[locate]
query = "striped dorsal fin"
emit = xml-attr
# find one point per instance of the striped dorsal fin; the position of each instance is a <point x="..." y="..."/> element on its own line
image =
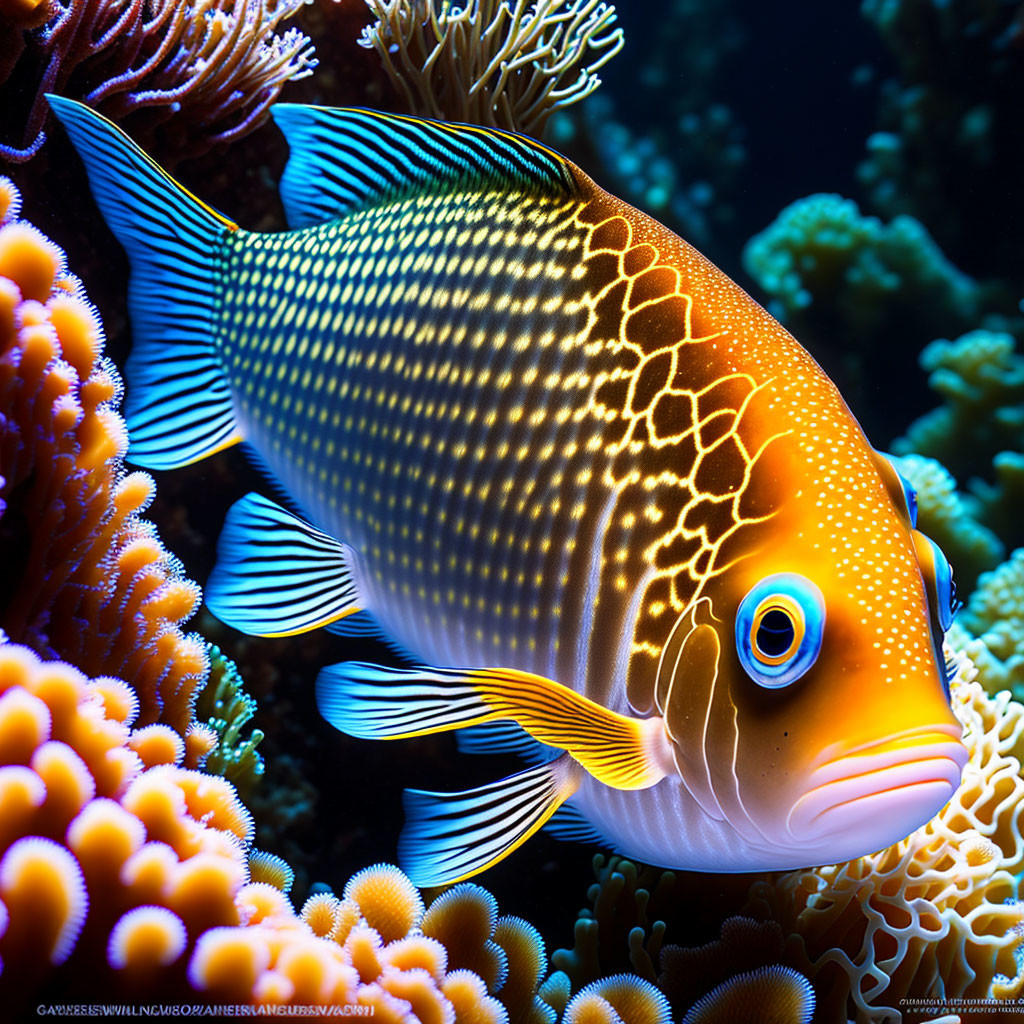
<point x="344" y="159"/>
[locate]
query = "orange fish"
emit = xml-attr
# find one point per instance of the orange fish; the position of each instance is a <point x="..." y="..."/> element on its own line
<point x="575" y="467"/>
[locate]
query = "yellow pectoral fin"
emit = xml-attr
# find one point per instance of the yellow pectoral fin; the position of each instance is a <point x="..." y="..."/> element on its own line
<point x="377" y="702"/>
<point x="620" y="751"/>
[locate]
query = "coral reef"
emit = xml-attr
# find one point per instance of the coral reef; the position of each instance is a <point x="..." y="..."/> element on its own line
<point x="991" y="628"/>
<point x="492" y="62"/>
<point x="86" y="579"/>
<point x="102" y="826"/>
<point x="948" y="121"/>
<point x="204" y="73"/>
<point x="951" y="519"/>
<point x="935" y="915"/>
<point x="623" y="928"/>
<point x="822" y="251"/>
<point x="981" y="377"/>
<point x="225" y="708"/>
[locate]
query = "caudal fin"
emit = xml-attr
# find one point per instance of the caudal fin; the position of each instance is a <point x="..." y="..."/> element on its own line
<point x="178" y="404"/>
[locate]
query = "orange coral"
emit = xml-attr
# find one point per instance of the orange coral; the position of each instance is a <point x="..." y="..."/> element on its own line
<point x="87" y="579"/>
<point x="94" y="837"/>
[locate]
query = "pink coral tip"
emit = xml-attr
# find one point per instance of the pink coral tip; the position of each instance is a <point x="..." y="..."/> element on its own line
<point x="259" y="902"/>
<point x="69" y="784"/>
<point x="467" y="993"/>
<point x="621" y="997"/>
<point x="29" y="259"/>
<point x="104" y="836"/>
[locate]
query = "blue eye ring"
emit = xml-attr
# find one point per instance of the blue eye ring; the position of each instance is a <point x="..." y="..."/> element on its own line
<point x="779" y="626"/>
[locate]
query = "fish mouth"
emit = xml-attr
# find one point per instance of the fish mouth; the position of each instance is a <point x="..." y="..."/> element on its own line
<point x="877" y="795"/>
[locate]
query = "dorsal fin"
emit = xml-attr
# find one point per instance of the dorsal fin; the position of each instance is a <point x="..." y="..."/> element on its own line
<point x="345" y="159"/>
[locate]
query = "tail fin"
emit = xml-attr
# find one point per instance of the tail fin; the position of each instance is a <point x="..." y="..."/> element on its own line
<point x="178" y="404"/>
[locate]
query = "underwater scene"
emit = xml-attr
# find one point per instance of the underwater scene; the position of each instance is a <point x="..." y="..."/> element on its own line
<point x="512" y="511"/>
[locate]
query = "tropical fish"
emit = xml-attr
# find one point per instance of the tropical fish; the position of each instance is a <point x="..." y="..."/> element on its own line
<point x="617" y="518"/>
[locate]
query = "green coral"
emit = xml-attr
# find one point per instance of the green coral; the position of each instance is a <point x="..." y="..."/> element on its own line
<point x="1001" y="503"/>
<point x="227" y="709"/>
<point x="994" y="617"/>
<point x="821" y="250"/>
<point x="623" y="928"/>
<point x="981" y="377"/>
<point x="950" y="120"/>
<point x="950" y="519"/>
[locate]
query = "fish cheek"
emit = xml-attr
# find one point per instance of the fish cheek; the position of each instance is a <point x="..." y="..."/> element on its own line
<point x="774" y="747"/>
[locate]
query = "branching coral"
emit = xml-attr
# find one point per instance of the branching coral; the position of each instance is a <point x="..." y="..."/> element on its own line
<point x="101" y="825"/>
<point x="936" y="915"/>
<point x="623" y="927"/>
<point x="995" y="617"/>
<point x="981" y="377"/>
<point x="951" y="520"/>
<point x="86" y="579"/>
<point x="205" y="70"/>
<point x="227" y="709"/>
<point x="822" y="251"/>
<point x="505" y="63"/>
<point x="951" y="120"/>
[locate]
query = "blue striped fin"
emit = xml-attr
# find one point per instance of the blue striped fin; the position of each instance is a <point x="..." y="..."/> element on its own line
<point x="178" y="404"/>
<point x="451" y="836"/>
<point x="503" y="737"/>
<point x="345" y="159"/>
<point x="375" y="702"/>
<point x="276" y="575"/>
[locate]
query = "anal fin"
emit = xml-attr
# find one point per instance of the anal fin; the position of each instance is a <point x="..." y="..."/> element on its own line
<point x="276" y="575"/>
<point x="451" y="836"/>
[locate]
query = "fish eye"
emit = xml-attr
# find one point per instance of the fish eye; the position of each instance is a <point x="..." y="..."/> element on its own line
<point x="899" y="487"/>
<point x="779" y="627"/>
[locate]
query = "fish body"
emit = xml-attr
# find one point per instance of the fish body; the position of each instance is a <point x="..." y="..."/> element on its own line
<point x="554" y="439"/>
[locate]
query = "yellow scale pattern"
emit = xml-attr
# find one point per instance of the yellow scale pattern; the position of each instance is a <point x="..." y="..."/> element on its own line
<point x="543" y="441"/>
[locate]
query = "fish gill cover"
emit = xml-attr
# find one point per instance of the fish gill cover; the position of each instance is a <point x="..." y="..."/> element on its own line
<point x="891" y="244"/>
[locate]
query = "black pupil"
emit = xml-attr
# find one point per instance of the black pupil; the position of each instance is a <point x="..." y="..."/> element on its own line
<point x="775" y="633"/>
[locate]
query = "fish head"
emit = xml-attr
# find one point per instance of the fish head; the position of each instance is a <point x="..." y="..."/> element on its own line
<point x="808" y="694"/>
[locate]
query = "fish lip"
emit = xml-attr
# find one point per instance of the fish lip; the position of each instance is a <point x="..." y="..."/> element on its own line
<point x="889" y="749"/>
<point x="911" y="774"/>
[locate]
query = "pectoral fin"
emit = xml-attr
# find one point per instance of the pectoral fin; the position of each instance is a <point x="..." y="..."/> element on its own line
<point x="450" y="836"/>
<point x="277" y="575"/>
<point x="374" y="702"/>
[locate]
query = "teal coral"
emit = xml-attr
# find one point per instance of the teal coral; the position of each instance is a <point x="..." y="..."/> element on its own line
<point x="821" y="250"/>
<point x="624" y="926"/>
<point x="981" y="377"/>
<point x="951" y="519"/>
<point x="994" y="618"/>
<point x="227" y="709"/>
<point x="949" y="120"/>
